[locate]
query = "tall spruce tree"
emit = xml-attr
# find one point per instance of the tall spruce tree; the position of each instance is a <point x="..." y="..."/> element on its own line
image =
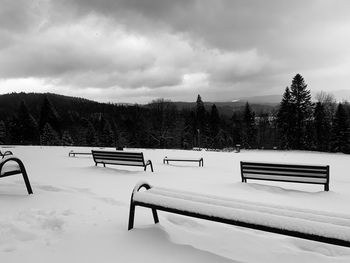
<point x="26" y="126"/>
<point x="214" y="125"/>
<point x="285" y="120"/>
<point x="321" y="128"/>
<point x="3" y="135"/>
<point x="201" y="126"/>
<point x="249" y="128"/>
<point x="48" y="114"/>
<point x="301" y="102"/>
<point x="49" y="136"/>
<point x="340" y="131"/>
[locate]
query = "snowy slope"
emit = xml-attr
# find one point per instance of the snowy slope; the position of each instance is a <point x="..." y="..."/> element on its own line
<point x="79" y="212"/>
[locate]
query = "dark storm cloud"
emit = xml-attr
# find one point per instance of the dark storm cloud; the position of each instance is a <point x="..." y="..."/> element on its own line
<point x="134" y="47"/>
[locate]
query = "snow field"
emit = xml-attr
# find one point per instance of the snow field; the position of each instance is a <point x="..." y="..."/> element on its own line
<point x="79" y="212"/>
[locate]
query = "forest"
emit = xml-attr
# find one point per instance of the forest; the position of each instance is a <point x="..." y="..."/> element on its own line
<point x="296" y="123"/>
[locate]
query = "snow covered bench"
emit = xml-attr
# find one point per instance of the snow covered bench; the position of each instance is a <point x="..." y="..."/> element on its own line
<point x="199" y="160"/>
<point x="313" y="225"/>
<point x="311" y="174"/>
<point x="11" y="165"/>
<point x="73" y="153"/>
<point x="5" y="153"/>
<point x="121" y="158"/>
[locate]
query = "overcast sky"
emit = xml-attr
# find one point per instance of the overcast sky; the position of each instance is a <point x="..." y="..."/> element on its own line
<point x="140" y="50"/>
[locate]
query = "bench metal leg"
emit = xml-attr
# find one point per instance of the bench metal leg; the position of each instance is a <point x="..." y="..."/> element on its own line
<point x="131" y="216"/>
<point x="155" y="216"/>
<point x="26" y="181"/>
<point x="326" y="187"/>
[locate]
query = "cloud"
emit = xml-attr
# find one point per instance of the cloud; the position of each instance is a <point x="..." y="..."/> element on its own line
<point x="153" y="48"/>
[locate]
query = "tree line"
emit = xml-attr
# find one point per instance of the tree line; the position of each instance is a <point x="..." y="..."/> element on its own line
<point x="297" y="123"/>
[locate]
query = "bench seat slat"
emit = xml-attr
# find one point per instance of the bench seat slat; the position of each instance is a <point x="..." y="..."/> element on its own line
<point x="298" y="179"/>
<point x="120" y="158"/>
<point x="120" y="154"/>
<point x="131" y="159"/>
<point x="284" y="173"/>
<point x="284" y="169"/>
<point x="284" y="165"/>
<point x="119" y="162"/>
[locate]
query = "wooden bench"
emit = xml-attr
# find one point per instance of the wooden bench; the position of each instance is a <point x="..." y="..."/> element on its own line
<point x="73" y="153"/>
<point x="199" y="160"/>
<point x="311" y="174"/>
<point x="313" y="225"/>
<point x="11" y="165"/>
<point x="121" y="158"/>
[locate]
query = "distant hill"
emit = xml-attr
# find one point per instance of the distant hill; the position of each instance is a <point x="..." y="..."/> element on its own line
<point x="9" y="104"/>
<point x="227" y="108"/>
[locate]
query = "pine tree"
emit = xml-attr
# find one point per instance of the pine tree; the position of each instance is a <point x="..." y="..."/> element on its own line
<point x="27" y="126"/>
<point x="321" y="128"/>
<point x="285" y="120"/>
<point x="48" y="114"/>
<point x="201" y="125"/>
<point x="249" y="128"/>
<point x="340" y="131"/>
<point x="67" y="139"/>
<point x="301" y="102"/>
<point x="2" y="132"/>
<point x="214" y="121"/>
<point x="90" y="135"/>
<point x="107" y="136"/>
<point x="236" y="128"/>
<point x="49" y="136"/>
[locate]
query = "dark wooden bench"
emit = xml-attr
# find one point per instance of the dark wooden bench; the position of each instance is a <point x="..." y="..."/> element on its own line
<point x="121" y="158"/>
<point x="73" y="153"/>
<point x="313" y="225"/>
<point x="11" y="165"/>
<point x="168" y="159"/>
<point x="310" y="174"/>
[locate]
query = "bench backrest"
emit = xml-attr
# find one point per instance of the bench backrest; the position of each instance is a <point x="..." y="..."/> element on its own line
<point x="120" y="158"/>
<point x="313" y="174"/>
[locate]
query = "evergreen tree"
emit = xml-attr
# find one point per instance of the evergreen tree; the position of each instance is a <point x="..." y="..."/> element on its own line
<point x="340" y="131"/>
<point x="49" y="136"/>
<point x="107" y="135"/>
<point x="236" y="128"/>
<point x="25" y="128"/>
<point x="90" y="135"/>
<point x="285" y="120"/>
<point x="249" y="128"/>
<point x="48" y="114"/>
<point x="214" y="121"/>
<point x="67" y="139"/>
<point x="302" y="110"/>
<point x="2" y="132"/>
<point x="321" y="127"/>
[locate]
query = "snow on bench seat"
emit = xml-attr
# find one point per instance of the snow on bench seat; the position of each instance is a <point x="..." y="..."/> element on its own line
<point x="309" y="224"/>
<point x="183" y="159"/>
<point x="11" y="165"/>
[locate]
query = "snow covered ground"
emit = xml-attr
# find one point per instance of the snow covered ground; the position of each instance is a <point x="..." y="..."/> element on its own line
<point x="79" y="212"/>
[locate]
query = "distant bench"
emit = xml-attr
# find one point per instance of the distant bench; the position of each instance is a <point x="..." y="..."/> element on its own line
<point x="313" y="225"/>
<point x="11" y="165"/>
<point x="311" y="174"/>
<point x="168" y="159"/>
<point x="5" y="153"/>
<point x="73" y="153"/>
<point x="121" y="158"/>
